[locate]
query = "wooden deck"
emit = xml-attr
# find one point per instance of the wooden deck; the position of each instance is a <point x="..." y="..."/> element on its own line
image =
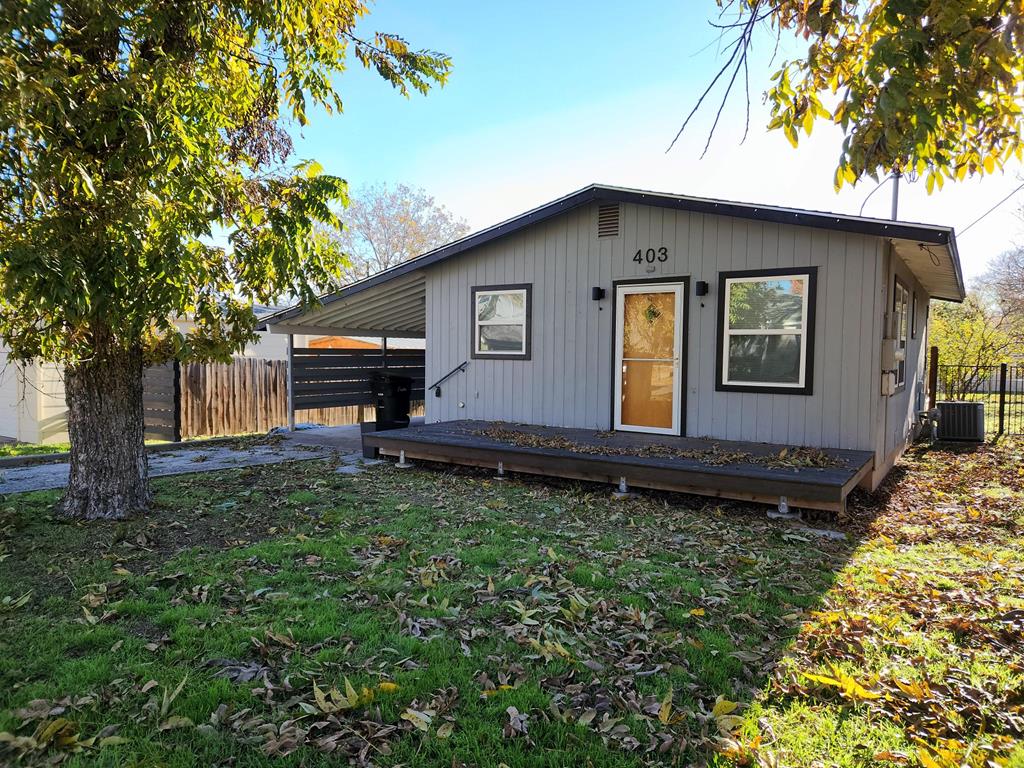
<point x="733" y="470"/>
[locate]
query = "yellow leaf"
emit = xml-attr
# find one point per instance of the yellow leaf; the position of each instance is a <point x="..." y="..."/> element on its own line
<point x="847" y="686"/>
<point x="350" y="694"/>
<point x="388" y="687"/>
<point x="728" y="723"/>
<point x="55" y="728"/>
<point x="421" y="720"/>
<point x="808" y="121"/>
<point x="321" y="700"/>
<point x="790" y="133"/>
<point x="696" y="611"/>
<point x="924" y="756"/>
<point x="665" y="710"/>
<point x="723" y="707"/>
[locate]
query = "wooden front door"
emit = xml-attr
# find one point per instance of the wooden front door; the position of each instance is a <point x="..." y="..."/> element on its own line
<point x="648" y="357"/>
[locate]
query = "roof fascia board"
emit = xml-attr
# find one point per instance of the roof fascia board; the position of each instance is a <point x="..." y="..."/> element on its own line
<point x="933" y="235"/>
<point x="319" y="330"/>
<point x="853" y="224"/>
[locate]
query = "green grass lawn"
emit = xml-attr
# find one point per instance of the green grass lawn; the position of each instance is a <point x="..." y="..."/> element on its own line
<point x="241" y="441"/>
<point x="32" y="449"/>
<point x="293" y="616"/>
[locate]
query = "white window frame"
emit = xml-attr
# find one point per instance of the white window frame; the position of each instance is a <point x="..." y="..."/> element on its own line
<point x="901" y="330"/>
<point x="522" y="290"/>
<point x="803" y="332"/>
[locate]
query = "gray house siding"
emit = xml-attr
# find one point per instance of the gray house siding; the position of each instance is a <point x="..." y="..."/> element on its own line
<point x="568" y="382"/>
<point x="900" y="410"/>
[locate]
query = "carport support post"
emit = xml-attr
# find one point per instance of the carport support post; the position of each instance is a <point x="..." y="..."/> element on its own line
<point x="291" y="384"/>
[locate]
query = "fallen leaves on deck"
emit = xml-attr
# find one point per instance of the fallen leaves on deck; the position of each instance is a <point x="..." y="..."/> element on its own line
<point x="714" y="455"/>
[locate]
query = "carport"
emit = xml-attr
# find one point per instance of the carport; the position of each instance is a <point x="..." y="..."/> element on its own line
<point x="386" y="305"/>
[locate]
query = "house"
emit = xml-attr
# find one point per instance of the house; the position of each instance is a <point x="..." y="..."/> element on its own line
<point x="668" y="315"/>
<point x="361" y="342"/>
<point x="32" y="406"/>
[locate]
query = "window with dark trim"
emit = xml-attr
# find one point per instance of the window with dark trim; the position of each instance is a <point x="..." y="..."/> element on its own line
<point x="501" y="322"/>
<point x="766" y="331"/>
<point x="900" y="322"/>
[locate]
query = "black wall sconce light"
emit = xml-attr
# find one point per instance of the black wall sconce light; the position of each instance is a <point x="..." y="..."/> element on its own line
<point x="701" y="287"/>
<point x="597" y="293"/>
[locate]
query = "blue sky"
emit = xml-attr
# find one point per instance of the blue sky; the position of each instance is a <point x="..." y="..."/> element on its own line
<point x="546" y="97"/>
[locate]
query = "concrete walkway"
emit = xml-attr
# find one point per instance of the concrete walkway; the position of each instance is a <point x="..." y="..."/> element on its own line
<point x="345" y="443"/>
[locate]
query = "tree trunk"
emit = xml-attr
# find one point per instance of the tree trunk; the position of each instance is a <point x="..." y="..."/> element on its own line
<point x="109" y="472"/>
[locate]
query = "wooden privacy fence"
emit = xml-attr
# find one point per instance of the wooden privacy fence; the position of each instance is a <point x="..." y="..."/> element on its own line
<point x="332" y="387"/>
<point x="246" y="395"/>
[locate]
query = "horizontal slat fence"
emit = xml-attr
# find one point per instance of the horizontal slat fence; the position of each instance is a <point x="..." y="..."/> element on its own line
<point x="341" y="377"/>
<point x="160" y="390"/>
<point x="251" y="395"/>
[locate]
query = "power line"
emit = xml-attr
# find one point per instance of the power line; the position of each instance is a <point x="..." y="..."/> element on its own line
<point x="990" y="210"/>
<point x="877" y="187"/>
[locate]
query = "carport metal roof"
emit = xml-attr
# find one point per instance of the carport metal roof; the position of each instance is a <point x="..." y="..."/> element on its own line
<point x="395" y="308"/>
<point x="393" y="302"/>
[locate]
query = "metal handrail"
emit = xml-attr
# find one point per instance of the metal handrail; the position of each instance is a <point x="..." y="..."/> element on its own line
<point x="436" y="386"/>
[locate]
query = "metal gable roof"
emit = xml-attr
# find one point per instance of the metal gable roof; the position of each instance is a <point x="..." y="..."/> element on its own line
<point x="911" y="236"/>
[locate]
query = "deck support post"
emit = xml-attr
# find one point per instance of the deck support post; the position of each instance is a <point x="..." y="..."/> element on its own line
<point x="622" y="492"/>
<point x="501" y="471"/>
<point x="783" y="512"/>
<point x="402" y="463"/>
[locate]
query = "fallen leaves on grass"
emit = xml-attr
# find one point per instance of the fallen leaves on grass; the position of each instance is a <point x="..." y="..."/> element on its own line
<point x="647" y="628"/>
<point x="11" y="603"/>
<point x="58" y="735"/>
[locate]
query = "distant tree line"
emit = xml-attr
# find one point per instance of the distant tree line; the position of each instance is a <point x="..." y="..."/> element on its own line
<point x="985" y="330"/>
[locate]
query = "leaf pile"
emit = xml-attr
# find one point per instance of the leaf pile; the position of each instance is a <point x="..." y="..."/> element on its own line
<point x="714" y="455"/>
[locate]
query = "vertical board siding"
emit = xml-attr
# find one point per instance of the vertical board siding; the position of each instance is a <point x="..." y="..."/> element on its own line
<point x="900" y="410"/>
<point x="568" y="382"/>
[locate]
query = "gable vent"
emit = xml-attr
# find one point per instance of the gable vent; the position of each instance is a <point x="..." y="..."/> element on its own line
<point x="608" y="220"/>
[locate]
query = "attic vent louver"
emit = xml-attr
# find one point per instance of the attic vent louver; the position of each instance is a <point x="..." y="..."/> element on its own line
<point x="608" y="220"/>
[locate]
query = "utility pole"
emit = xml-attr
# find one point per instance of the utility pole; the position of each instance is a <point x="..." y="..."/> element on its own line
<point x="895" y="193"/>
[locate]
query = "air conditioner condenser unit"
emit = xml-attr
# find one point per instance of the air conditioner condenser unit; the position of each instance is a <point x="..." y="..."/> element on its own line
<point x="961" y="420"/>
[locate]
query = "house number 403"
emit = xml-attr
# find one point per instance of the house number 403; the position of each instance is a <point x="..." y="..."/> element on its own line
<point x="651" y="255"/>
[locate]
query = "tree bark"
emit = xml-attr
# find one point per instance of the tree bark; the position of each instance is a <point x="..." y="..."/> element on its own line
<point x="109" y="472"/>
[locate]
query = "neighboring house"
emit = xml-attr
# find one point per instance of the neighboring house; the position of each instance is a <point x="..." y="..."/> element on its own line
<point x="637" y="311"/>
<point x="32" y="407"/>
<point x="361" y="342"/>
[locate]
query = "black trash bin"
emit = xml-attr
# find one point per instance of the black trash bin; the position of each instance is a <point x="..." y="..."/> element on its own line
<point x="393" y="396"/>
<point x="393" y="392"/>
